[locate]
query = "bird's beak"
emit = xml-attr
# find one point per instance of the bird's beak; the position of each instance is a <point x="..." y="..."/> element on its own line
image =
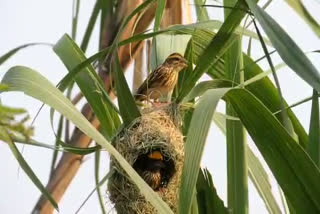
<point x="185" y="62"/>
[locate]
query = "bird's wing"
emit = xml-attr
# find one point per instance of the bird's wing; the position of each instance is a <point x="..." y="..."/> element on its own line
<point x="154" y="79"/>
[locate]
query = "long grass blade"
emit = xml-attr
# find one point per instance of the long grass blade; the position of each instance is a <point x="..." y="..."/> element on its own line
<point x="286" y="47"/>
<point x="26" y="80"/>
<point x="216" y="47"/>
<point x="300" y="9"/>
<point x="207" y="197"/>
<point x="196" y="138"/>
<point x="27" y="169"/>
<point x="89" y="83"/>
<point x="256" y="172"/>
<point x="284" y="156"/>
<point x="127" y="106"/>
<point x="12" y="52"/>
<point x="97" y="178"/>
<point x="313" y="147"/>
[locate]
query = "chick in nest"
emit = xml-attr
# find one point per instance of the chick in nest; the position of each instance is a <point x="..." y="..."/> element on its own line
<point x="154" y="169"/>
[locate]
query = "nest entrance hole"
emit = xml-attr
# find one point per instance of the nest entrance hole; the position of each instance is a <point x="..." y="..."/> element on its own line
<point x="166" y="166"/>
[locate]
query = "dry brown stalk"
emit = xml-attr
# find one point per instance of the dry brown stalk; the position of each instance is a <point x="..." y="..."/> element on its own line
<point x="69" y="164"/>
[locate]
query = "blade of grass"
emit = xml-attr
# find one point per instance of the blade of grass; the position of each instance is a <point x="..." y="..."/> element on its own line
<point x="90" y="26"/>
<point x="202" y="13"/>
<point x="237" y="172"/>
<point x="62" y="148"/>
<point x="159" y="13"/>
<point x="75" y="16"/>
<point x="256" y="172"/>
<point x="30" y="82"/>
<point x="96" y="178"/>
<point x="284" y="156"/>
<point x="286" y="47"/>
<point x="12" y="52"/>
<point x="89" y="84"/>
<point x="216" y="47"/>
<point x="101" y="182"/>
<point x="313" y="147"/>
<point x="284" y="116"/>
<point x="262" y="89"/>
<point x="207" y="197"/>
<point x="127" y="105"/>
<point x="27" y="169"/>
<point x="55" y="153"/>
<point x="196" y="138"/>
<point x="298" y="6"/>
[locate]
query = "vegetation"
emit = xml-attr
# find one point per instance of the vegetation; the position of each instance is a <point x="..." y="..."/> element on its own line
<point x="254" y="104"/>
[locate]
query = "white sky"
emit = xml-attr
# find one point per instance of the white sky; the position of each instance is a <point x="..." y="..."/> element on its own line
<point x="46" y="21"/>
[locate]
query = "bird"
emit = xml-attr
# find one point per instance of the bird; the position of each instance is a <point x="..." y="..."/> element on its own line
<point x="161" y="81"/>
<point x="152" y="168"/>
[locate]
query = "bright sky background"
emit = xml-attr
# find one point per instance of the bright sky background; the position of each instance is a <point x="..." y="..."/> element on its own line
<point x="46" y="21"/>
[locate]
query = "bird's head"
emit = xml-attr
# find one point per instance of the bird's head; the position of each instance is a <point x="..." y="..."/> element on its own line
<point x="177" y="61"/>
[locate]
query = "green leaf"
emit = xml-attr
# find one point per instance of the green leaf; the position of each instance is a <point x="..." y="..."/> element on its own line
<point x="97" y="178"/>
<point x="313" y="147"/>
<point x="26" y="168"/>
<point x="89" y="83"/>
<point x="62" y="148"/>
<point x="159" y="13"/>
<point x="284" y="116"/>
<point x="266" y="92"/>
<point x="256" y="172"/>
<point x="75" y="16"/>
<point x="298" y="6"/>
<point x="237" y="171"/>
<point x="207" y="197"/>
<point x="101" y="182"/>
<point x="204" y="86"/>
<point x="262" y="89"/>
<point x="259" y="178"/>
<point x="291" y="54"/>
<point x="33" y="84"/>
<point x="12" y="52"/>
<point x="202" y="13"/>
<point x="217" y="46"/>
<point x="196" y="138"/>
<point x="127" y="105"/>
<point x="55" y="152"/>
<point x="284" y="156"/>
<point x="90" y="26"/>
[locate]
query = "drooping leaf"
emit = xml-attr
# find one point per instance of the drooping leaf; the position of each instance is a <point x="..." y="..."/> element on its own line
<point x="33" y="84"/>
<point x="89" y="83"/>
<point x="27" y="169"/>
<point x="127" y="106"/>
<point x="263" y="89"/>
<point x="207" y="197"/>
<point x="284" y="156"/>
<point x="300" y="9"/>
<point x="12" y="52"/>
<point x="289" y="51"/>
<point x="196" y="138"/>
<point x="216" y="47"/>
<point x="313" y="147"/>
<point x="256" y="172"/>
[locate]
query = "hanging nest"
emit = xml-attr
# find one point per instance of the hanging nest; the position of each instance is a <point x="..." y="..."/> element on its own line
<point x="154" y="132"/>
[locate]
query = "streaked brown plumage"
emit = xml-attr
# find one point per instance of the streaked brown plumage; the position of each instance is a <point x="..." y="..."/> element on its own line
<point x="163" y="79"/>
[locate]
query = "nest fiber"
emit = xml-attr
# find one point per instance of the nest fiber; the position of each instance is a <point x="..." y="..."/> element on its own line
<point x="154" y="130"/>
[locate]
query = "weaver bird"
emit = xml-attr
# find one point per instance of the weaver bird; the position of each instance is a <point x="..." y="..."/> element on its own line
<point x="154" y="170"/>
<point x="161" y="81"/>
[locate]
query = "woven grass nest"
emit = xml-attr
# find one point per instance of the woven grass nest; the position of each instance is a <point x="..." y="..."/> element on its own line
<point x="154" y="130"/>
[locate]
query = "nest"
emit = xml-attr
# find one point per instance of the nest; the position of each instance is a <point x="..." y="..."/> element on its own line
<point x="154" y="130"/>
